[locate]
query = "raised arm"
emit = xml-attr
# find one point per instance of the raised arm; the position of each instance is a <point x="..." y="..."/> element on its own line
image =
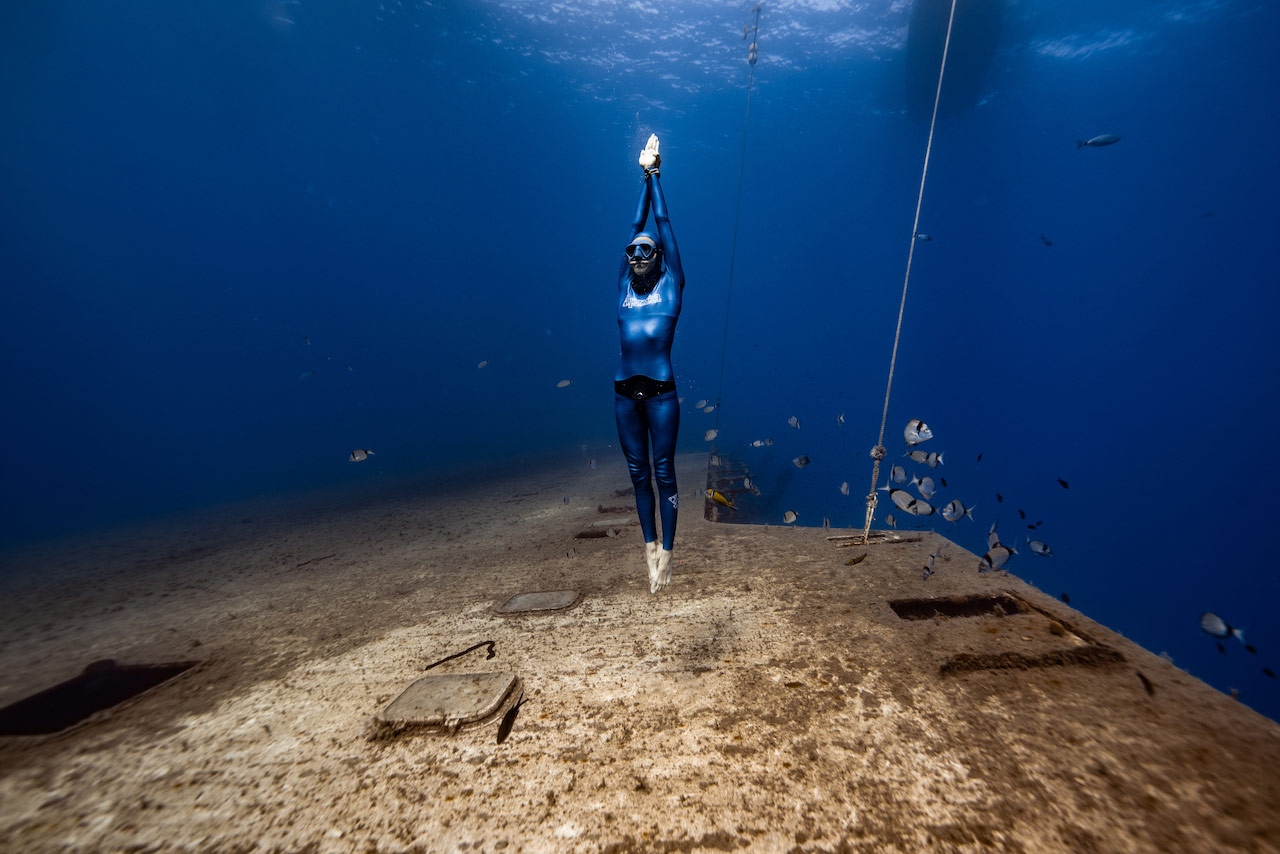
<point x="665" y="234"/>
<point x="642" y="211"/>
<point x="642" y="214"/>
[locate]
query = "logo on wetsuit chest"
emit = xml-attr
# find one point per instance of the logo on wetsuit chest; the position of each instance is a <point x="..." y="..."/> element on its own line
<point x="675" y="501"/>
<point x="633" y="301"/>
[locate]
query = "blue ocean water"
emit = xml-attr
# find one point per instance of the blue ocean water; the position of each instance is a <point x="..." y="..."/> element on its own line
<point x="239" y="240"/>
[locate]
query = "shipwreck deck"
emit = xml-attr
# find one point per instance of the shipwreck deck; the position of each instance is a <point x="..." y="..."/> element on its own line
<point x="774" y="698"/>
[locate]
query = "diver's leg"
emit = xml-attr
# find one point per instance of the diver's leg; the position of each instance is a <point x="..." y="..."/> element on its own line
<point x="664" y="424"/>
<point x="633" y="434"/>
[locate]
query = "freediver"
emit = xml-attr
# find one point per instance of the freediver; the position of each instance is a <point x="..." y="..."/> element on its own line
<point x="650" y="285"/>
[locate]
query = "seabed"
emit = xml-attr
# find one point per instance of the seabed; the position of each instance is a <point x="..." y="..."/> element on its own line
<point x="773" y="699"/>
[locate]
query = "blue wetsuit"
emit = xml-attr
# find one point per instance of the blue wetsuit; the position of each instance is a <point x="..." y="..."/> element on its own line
<point x="645" y="398"/>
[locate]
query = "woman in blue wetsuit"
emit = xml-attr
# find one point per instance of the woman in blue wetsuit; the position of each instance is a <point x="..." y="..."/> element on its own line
<point x="650" y="284"/>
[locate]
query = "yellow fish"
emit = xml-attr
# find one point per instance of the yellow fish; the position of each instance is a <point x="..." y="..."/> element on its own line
<point x="716" y="496"/>
<point x="854" y="561"/>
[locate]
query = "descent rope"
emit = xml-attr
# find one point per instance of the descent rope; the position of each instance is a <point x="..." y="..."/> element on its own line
<point x="752" y="54"/>
<point x="878" y="452"/>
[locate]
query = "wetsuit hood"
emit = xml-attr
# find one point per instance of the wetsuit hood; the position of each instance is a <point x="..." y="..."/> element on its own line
<point x="646" y="237"/>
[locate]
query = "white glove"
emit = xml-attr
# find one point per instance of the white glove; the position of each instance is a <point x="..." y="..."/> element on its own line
<point x="649" y="158"/>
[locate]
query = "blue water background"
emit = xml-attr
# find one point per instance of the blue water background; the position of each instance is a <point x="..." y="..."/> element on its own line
<point x="191" y="194"/>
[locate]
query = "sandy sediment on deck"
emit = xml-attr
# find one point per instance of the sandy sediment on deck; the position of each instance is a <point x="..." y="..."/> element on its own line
<point x="773" y="699"/>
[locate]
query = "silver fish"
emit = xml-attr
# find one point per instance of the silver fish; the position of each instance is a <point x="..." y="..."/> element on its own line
<point x="790" y="516"/>
<point x="801" y="461"/>
<point x="917" y="456"/>
<point x="925" y="485"/>
<point x="1098" y="141"/>
<point x="1039" y="548"/>
<point x="922" y="236"/>
<point x="995" y="559"/>
<point x="903" y="499"/>
<point x="700" y="404"/>
<point x="840" y="420"/>
<point x="758" y="443"/>
<point x="715" y="460"/>
<point x="955" y="509"/>
<point x="916" y="432"/>
<point x="359" y="455"/>
<point x="711" y="434"/>
<point x="910" y="505"/>
<point x="1212" y="624"/>
<point x="928" y="570"/>
<point x="993" y="539"/>
<point x="844" y="488"/>
<point x="890" y="521"/>
<point x="708" y="408"/>
<point x="794" y="422"/>
<point x="592" y="462"/>
<point x="898" y="474"/>
<point x="934" y="460"/>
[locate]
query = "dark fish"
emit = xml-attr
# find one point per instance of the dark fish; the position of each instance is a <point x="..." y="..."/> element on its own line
<point x="1065" y="598"/>
<point x="801" y="461"/>
<point x="509" y="719"/>
<point x="1098" y="141"/>
<point x="1146" y="683"/>
<point x="1250" y="649"/>
<point x="1064" y="483"/>
<point x="979" y="458"/>
<point x="1267" y="671"/>
<point x="999" y="498"/>
<point x="1222" y="649"/>
<point x="1206" y="214"/>
<point x="942" y="480"/>
<point x="1021" y="515"/>
<point x="1046" y="241"/>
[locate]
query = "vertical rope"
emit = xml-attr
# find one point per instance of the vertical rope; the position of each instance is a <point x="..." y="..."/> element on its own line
<point x="878" y="452"/>
<point x="733" y="247"/>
